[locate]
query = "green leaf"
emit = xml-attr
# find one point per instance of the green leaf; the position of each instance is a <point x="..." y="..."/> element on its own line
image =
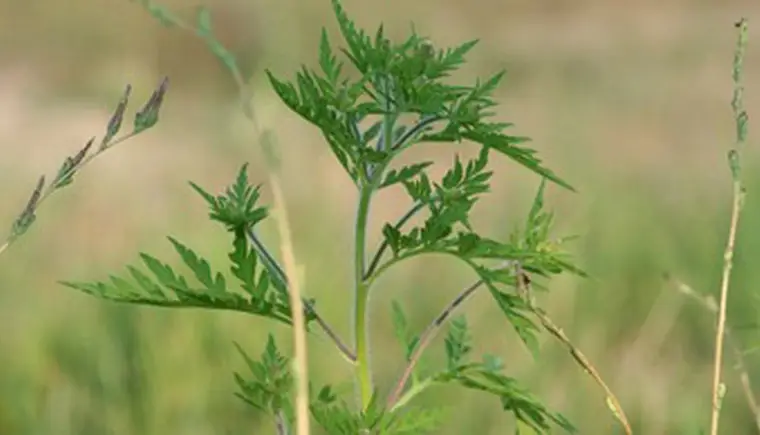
<point x="449" y="60"/>
<point x="359" y="44"/>
<point x="201" y="268"/>
<point x="404" y="174"/>
<point x="415" y="421"/>
<point x="167" y="288"/>
<point x="329" y="63"/>
<point x="237" y="208"/>
<point x="516" y="311"/>
<point x="528" y="410"/>
<point x="244" y="267"/>
<point x="402" y="330"/>
<point x="203" y="22"/>
<point x="538" y="204"/>
<point x="269" y="382"/>
<point x="457" y="342"/>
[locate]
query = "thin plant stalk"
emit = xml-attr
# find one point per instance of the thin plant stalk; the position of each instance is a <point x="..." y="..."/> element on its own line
<point x="299" y="322"/>
<point x="717" y="384"/>
<point x="427" y="336"/>
<point x="523" y="286"/>
<point x="290" y="265"/>
<point x="362" y="286"/>
<point x="291" y="274"/>
<point x="740" y="116"/>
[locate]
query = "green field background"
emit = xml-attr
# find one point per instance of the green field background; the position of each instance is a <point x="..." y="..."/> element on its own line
<point x="628" y="101"/>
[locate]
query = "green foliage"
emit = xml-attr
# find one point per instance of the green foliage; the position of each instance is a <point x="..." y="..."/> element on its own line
<point x="396" y="79"/>
<point x="402" y="330"/>
<point x="457" y="343"/>
<point x="391" y="81"/>
<point x="338" y="417"/>
<point x="486" y="376"/>
<point x="271" y="381"/>
<point x="257" y="292"/>
<point x="236" y="209"/>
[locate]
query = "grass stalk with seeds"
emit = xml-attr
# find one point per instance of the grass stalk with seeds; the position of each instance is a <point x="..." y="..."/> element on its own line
<point x="734" y="160"/>
<point x="144" y="119"/>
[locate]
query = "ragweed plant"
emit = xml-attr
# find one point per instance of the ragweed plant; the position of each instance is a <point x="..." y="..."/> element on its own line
<point x="362" y="120"/>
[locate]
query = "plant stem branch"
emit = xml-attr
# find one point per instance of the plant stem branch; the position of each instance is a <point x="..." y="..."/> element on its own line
<point x="384" y="244"/>
<point x="427" y="336"/>
<point x="274" y="267"/>
<point x="523" y="285"/>
<point x="419" y="127"/>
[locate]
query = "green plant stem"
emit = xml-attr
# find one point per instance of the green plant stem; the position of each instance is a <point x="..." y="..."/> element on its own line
<point x="383" y="268"/>
<point x="373" y="265"/>
<point x="361" y="295"/>
<point x="418" y="128"/>
<point x="362" y="284"/>
<point x="397" y="147"/>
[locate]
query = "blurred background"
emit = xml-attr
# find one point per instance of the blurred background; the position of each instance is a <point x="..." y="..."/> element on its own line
<point x="628" y="101"/>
